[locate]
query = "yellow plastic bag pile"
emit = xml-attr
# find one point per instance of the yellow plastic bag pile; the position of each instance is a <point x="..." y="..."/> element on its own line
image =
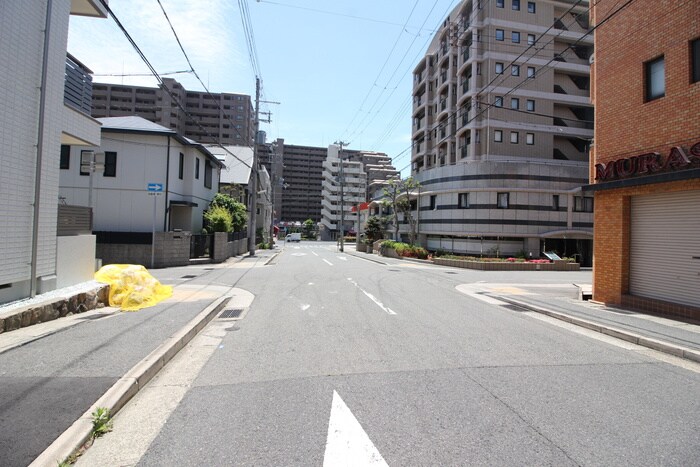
<point x="131" y="287"/>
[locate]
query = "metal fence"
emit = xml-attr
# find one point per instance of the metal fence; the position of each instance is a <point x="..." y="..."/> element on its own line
<point x="73" y="220"/>
<point x="77" y="92"/>
<point x="202" y="246"/>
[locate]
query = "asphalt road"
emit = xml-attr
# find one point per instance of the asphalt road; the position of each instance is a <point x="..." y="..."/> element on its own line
<point x="344" y="361"/>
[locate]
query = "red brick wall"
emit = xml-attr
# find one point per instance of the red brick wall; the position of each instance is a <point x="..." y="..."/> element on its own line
<point x="625" y="124"/>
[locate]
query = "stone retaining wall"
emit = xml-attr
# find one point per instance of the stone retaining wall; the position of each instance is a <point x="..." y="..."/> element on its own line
<point x="506" y="266"/>
<point x="41" y="313"/>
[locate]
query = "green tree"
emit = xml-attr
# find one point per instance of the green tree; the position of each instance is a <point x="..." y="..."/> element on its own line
<point x="308" y="227"/>
<point x="239" y="214"/>
<point x="373" y="228"/>
<point x="398" y="196"/>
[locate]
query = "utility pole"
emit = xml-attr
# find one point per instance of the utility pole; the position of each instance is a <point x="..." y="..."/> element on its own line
<point x="254" y="175"/>
<point x="342" y="200"/>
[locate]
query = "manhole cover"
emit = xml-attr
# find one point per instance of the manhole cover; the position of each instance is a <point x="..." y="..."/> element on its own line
<point x="232" y="313"/>
<point x="189" y="276"/>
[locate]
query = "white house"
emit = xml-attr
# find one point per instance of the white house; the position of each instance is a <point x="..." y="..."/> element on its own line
<point x="37" y="115"/>
<point x="147" y="178"/>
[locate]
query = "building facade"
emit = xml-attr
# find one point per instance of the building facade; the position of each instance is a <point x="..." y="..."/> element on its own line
<point x="221" y="118"/>
<point x="344" y="188"/>
<point x="40" y="110"/>
<point x="501" y="128"/>
<point x="297" y="178"/>
<point x="645" y="167"/>
<point x="138" y="154"/>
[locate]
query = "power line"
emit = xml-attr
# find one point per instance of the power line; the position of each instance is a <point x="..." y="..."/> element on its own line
<point x="157" y="76"/>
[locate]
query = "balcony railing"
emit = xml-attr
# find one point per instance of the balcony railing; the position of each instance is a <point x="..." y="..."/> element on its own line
<point x="77" y="89"/>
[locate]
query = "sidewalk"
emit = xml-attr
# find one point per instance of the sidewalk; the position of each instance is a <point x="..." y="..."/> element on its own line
<point x="55" y="374"/>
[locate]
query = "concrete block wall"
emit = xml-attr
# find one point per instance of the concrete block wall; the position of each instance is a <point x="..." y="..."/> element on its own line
<point x="172" y="249"/>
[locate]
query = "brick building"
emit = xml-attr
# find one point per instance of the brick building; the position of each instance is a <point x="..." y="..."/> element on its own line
<point x="645" y="166"/>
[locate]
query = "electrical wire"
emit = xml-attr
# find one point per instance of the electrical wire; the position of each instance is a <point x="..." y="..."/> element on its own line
<point x="157" y="76"/>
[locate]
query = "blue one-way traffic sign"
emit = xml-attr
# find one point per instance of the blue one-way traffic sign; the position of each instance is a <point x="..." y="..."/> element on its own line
<point x="155" y="187"/>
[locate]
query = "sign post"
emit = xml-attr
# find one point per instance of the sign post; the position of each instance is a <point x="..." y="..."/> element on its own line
<point x="155" y="190"/>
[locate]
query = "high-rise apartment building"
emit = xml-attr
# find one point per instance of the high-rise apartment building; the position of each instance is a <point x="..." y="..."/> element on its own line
<point x="223" y="118"/>
<point x="297" y="176"/>
<point x="501" y="128"/>
<point x="344" y="187"/>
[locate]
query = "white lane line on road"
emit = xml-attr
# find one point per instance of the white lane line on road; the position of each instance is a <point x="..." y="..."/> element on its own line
<point x="347" y="443"/>
<point x="329" y="263"/>
<point x="373" y="298"/>
<point x="344" y="258"/>
<point x="314" y="253"/>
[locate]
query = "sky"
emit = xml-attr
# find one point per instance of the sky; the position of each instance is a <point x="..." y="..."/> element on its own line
<point x="341" y="70"/>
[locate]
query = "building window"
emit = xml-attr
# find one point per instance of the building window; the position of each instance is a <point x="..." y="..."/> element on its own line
<point x="514" y="103"/>
<point x="531" y="8"/>
<point x="499" y="68"/>
<point x="207" y="174"/>
<point x="65" y="157"/>
<point x="531" y="72"/>
<point x="583" y="204"/>
<point x="502" y="201"/>
<point x="516" y="5"/>
<point x="500" y="35"/>
<point x="515" y="37"/>
<point x="530" y="39"/>
<point x="654" y="79"/>
<point x="498" y="102"/>
<point x="433" y="202"/>
<point x="181" y="167"/>
<point x="110" y="164"/>
<point x="463" y="200"/>
<point x="695" y="61"/>
<point x="514" y="137"/>
<point x="555" y="202"/>
<point x="498" y="136"/>
<point x="500" y="3"/>
<point x="196" y="168"/>
<point x="515" y="70"/>
<point x="530" y="138"/>
<point x="530" y="105"/>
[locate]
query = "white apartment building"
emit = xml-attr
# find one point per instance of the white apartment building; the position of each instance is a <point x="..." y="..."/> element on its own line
<point x="502" y="123"/>
<point x="352" y="182"/>
<point x="40" y="110"/>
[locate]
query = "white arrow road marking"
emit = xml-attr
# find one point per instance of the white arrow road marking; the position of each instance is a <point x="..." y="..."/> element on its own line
<point x="329" y="263"/>
<point x="372" y="297"/>
<point x="305" y="307"/>
<point x="347" y="443"/>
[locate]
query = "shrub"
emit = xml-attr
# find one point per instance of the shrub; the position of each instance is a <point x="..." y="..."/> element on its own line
<point x="218" y="219"/>
<point x="406" y="250"/>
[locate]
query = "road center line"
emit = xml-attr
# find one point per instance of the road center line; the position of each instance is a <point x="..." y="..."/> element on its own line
<point x="373" y="298"/>
<point x="329" y="263"/>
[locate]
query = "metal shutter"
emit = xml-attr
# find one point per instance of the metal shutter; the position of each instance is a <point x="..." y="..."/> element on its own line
<point x="665" y="247"/>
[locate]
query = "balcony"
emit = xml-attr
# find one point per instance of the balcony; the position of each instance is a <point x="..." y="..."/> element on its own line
<point x="77" y="87"/>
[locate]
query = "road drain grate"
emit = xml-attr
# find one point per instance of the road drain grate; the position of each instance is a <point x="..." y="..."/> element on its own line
<point x="450" y="272"/>
<point x="189" y="276"/>
<point x="232" y="313"/>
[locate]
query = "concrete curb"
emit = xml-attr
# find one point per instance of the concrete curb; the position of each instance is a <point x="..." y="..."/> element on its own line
<point x="127" y="386"/>
<point x="628" y="336"/>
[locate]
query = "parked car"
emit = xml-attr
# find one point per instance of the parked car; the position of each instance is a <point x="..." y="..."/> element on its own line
<point x="293" y="237"/>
